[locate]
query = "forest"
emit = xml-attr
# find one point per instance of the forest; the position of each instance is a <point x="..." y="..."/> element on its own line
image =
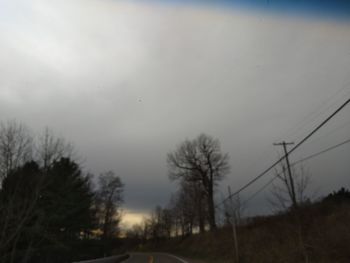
<point x="50" y="209"/>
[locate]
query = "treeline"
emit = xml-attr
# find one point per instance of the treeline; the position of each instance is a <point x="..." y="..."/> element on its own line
<point x="50" y="209"/>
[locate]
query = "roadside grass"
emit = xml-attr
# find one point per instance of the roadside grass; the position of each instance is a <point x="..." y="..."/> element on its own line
<point x="319" y="234"/>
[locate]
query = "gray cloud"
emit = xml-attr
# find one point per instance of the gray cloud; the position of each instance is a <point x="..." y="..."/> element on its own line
<point x="126" y="82"/>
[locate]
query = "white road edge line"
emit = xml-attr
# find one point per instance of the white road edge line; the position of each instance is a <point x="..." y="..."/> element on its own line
<point x="179" y="259"/>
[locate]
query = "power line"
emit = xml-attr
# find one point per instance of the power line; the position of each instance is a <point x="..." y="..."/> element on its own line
<point x="260" y="190"/>
<point x="311" y="117"/>
<point x="289" y="152"/>
<point x="319" y="126"/>
<point x="321" y="152"/>
<point x="336" y="129"/>
<point x="293" y="164"/>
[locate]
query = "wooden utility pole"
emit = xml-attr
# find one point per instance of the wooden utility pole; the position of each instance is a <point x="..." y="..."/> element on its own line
<point x="233" y="223"/>
<point x="291" y="180"/>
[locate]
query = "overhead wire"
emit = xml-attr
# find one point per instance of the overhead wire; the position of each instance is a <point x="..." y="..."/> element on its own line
<point x="321" y="152"/>
<point x="293" y="164"/>
<point x="319" y="110"/>
<point x="288" y="153"/>
<point x="331" y="132"/>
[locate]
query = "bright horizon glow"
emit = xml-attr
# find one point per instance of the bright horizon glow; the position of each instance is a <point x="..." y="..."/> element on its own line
<point x="131" y="218"/>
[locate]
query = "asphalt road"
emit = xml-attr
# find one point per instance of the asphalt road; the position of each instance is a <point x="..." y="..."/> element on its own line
<point x="112" y="259"/>
<point x="153" y="258"/>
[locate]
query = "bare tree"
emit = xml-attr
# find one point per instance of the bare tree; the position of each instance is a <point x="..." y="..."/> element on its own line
<point x="155" y="224"/>
<point x="282" y="194"/>
<point x="184" y="212"/>
<point x="167" y="222"/>
<point x="51" y="148"/>
<point x="190" y="205"/>
<point x="15" y="146"/>
<point x="160" y="224"/>
<point x="197" y="197"/>
<point x="291" y="193"/>
<point x="109" y="199"/>
<point x="19" y="194"/>
<point x="146" y="227"/>
<point x="200" y="160"/>
<point x="233" y="210"/>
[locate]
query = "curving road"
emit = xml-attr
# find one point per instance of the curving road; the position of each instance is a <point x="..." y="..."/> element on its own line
<point x="153" y="258"/>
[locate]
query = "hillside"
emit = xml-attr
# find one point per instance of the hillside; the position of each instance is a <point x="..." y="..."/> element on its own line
<point x="320" y="233"/>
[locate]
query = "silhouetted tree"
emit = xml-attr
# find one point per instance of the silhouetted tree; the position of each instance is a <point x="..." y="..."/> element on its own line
<point x="109" y="198"/>
<point x="135" y="232"/>
<point x="196" y="194"/>
<point x="282" y="194"/>
<point x="185" y="212"/>
<point x="50" y="149"/>
<point x="46" y="207"/>
<point x="67" y="200"/>
<point x="202" y="161"/>
<point x="291" y="193"/>
<point x="233" y="210"/>
<point x="340" y="196"/>
<point x="15" y="146"/>
<point x="19" y="213"/>
<point x="62" y="214"/>
<point x="189" y="208"/>
<point x="160" y="224"/>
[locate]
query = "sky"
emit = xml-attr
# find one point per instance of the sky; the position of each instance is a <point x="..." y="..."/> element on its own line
<point x="127" y="81"/>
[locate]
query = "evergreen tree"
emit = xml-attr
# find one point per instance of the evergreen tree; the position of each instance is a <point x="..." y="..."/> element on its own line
<point x="19" y="213"/>
<point x="67" y="200"/>
<point x="45" y="213"/>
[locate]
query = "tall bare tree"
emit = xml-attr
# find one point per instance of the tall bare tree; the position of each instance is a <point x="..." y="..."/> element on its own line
<point x="15" y="146"/>
<point x="202" y="161"/>
<point x="109" y="199"/>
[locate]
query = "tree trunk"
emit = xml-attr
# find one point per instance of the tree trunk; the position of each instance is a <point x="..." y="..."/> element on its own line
<point x="211" y="208"/>
<point x="201" y="218"/>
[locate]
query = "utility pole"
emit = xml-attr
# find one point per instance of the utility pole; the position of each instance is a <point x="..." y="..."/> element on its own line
<point x="294" y="201"/>
<point x="291" y="181"/>
<point x="233" y="223"/>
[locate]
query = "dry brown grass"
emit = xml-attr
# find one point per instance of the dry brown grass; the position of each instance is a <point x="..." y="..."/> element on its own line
<point x="321" y="231"/>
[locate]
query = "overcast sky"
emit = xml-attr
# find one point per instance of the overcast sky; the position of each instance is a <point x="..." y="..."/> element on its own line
<point x="127" y="81"/>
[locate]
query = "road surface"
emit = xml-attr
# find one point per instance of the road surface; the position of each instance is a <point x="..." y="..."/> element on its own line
<point x="153" y="258"/>
<point x="112" y="259"/>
